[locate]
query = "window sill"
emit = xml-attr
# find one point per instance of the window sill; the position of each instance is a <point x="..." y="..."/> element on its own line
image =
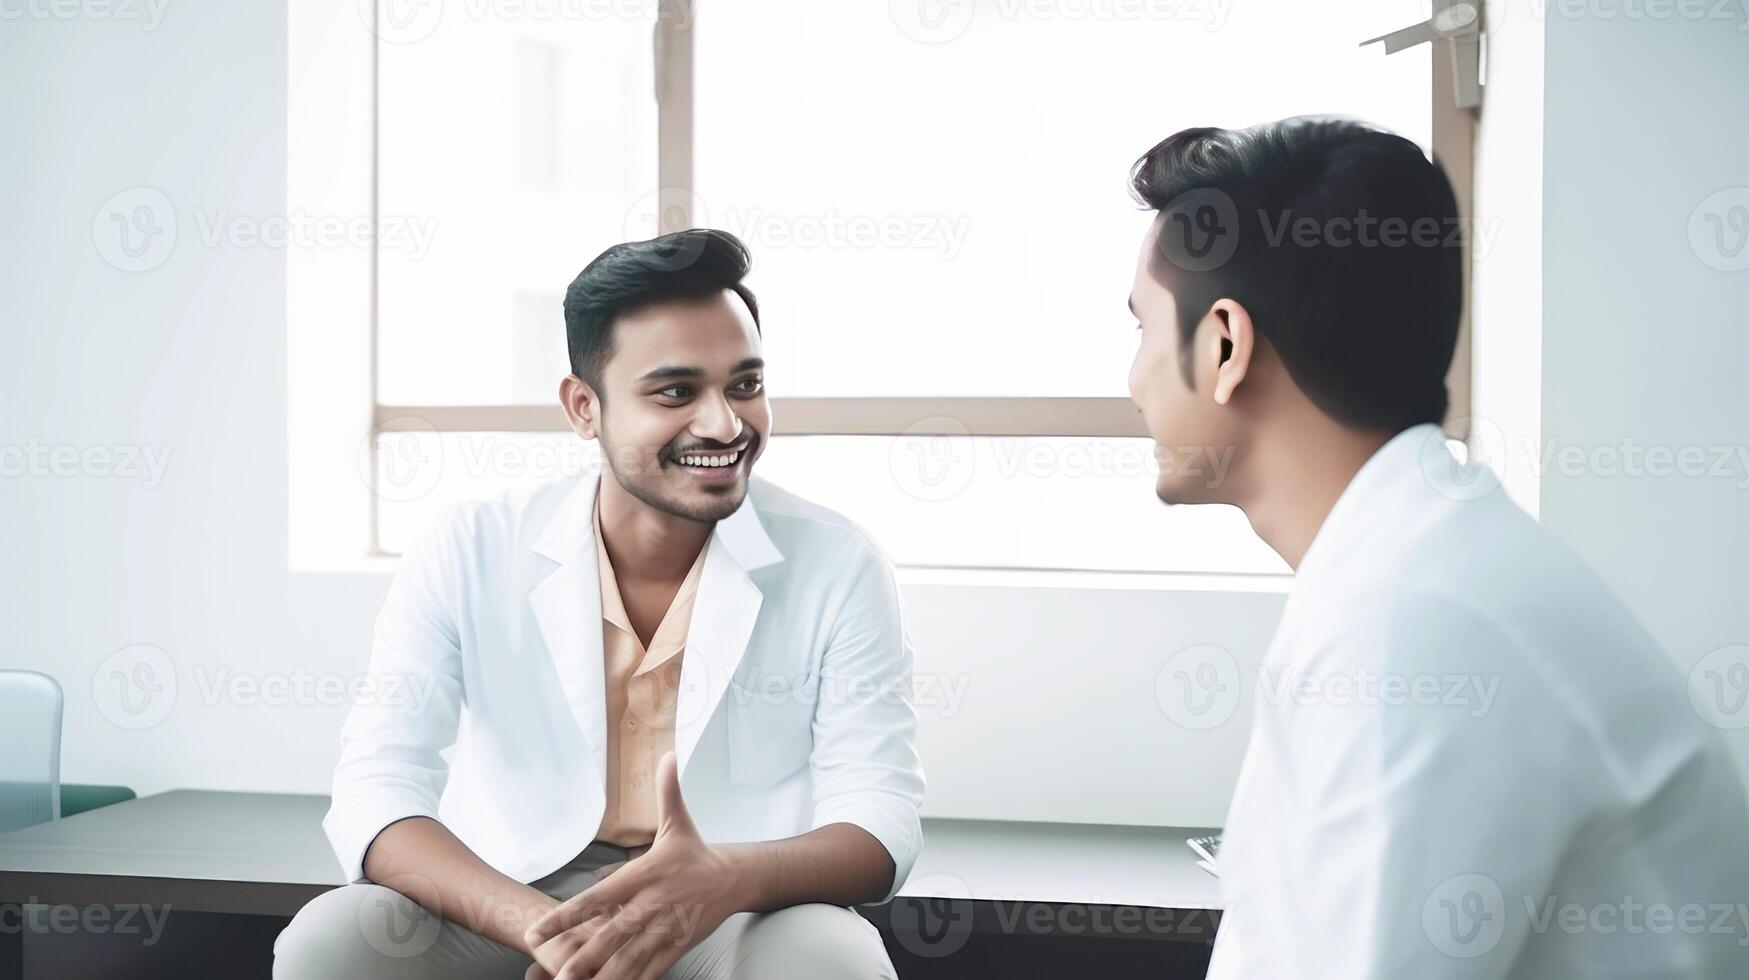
<point x="383" y="563"/>
<point x="1078" y="579"/>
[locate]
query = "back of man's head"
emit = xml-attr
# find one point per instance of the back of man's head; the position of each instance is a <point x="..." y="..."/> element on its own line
<point x="1341" y="241"/>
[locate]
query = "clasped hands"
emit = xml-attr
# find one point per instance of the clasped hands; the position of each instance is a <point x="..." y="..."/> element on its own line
<point x="642" y="916"/>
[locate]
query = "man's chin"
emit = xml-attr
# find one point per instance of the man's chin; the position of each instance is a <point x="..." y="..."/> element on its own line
<point x="1174" y="492"/>
<point x="706" y="504"/>
<point x="720" y="503"/>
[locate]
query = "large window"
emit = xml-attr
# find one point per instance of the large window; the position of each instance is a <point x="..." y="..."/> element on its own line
<point x="934" y="192"/>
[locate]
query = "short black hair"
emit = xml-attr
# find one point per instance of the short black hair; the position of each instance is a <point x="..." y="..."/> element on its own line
<point x="685" y="265"/>
<point x="1275" y="218"/>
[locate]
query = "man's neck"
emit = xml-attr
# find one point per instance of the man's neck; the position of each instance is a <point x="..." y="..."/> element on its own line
<point x="1299" y="472"/>
<point x="644" y="543"/>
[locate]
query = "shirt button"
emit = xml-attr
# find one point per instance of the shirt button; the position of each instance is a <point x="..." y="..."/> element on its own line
<point x="632" y="723"/>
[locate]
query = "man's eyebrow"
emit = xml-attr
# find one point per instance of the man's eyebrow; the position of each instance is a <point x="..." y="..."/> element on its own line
<point x="672" y="372"/>
<point x="678" y="372"/>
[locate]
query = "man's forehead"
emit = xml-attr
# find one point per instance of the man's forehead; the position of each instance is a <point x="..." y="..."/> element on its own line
<point x="707" y="336"/>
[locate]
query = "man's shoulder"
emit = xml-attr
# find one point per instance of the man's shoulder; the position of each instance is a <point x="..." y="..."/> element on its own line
<point x="1485" y="589"/>
<point x="1481" y="564"/>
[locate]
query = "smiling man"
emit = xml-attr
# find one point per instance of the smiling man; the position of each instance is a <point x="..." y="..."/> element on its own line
<point x="668" y="672"/>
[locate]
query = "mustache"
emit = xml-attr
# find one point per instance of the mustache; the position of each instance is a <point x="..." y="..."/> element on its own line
<point x="712" y="448"/>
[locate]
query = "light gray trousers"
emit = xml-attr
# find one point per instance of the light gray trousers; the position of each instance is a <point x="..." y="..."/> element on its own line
<point x="366" y="932"/>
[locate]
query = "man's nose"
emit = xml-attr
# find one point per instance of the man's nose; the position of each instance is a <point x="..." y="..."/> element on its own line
<point x="717" y="421"/>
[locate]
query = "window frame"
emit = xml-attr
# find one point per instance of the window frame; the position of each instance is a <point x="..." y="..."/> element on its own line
<point x="1453" y="137"/>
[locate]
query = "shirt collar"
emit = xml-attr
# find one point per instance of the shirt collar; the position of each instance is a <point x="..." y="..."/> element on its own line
<point x="670" y="636"/>
<point x="612" y="607"/>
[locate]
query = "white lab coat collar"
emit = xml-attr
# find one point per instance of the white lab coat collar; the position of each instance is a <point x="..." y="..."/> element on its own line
<point x="567" y="605"/>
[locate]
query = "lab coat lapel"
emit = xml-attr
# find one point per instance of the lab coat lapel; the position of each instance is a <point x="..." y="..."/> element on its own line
<point x="723" y="616"/>
<point x="567" y="606"/>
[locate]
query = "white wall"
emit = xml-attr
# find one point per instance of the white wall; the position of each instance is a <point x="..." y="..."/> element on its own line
<point x="1642" y="339"/>
<point x="1506" y="285"/>
<point x="186" y="359"/>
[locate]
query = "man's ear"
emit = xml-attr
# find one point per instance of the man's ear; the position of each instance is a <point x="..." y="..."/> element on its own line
<point x="1236" y="338"/>
<point x="582" y="406"/>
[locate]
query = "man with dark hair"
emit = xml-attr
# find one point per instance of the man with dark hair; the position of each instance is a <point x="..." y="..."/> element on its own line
<point x="596" y="647"/>
<point x="1462" y="743"/>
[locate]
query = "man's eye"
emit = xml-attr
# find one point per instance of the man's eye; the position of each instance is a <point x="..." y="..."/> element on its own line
<point x="751" y="386"/>
<point x="675" y="391"/>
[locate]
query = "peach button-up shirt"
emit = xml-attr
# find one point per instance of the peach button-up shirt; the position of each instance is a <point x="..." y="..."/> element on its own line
<point x="643" y="687"/>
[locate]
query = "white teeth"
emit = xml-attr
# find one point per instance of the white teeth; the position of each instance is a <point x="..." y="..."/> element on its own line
<point x="711" y="461"/>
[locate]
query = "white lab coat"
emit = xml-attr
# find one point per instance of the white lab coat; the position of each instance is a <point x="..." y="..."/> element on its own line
<point x="1546" y="804"/>
<point x="795" y="691"/>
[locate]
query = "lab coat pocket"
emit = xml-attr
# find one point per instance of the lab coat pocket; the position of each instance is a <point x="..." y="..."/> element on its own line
<point x="770" y="733"/>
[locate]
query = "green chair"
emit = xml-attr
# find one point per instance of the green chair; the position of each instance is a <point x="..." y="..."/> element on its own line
<point x="78" y="797"/>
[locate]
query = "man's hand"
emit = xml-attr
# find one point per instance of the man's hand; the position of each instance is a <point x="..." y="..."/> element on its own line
<point x="637" y="922"/>
<point x="422" y="860"/>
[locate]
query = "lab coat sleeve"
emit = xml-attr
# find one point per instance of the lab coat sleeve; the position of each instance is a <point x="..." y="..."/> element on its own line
<point x="864" y="763"/>
<point x="390" y="764"/>
<point x="1424" y="820"/>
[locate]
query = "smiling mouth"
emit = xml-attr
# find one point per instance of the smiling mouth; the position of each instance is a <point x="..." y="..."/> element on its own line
<point x="713" y="462"/>
<point x="710" y="461"/>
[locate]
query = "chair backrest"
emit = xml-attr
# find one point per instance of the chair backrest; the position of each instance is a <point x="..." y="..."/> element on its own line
<point x="30" y="749"/>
